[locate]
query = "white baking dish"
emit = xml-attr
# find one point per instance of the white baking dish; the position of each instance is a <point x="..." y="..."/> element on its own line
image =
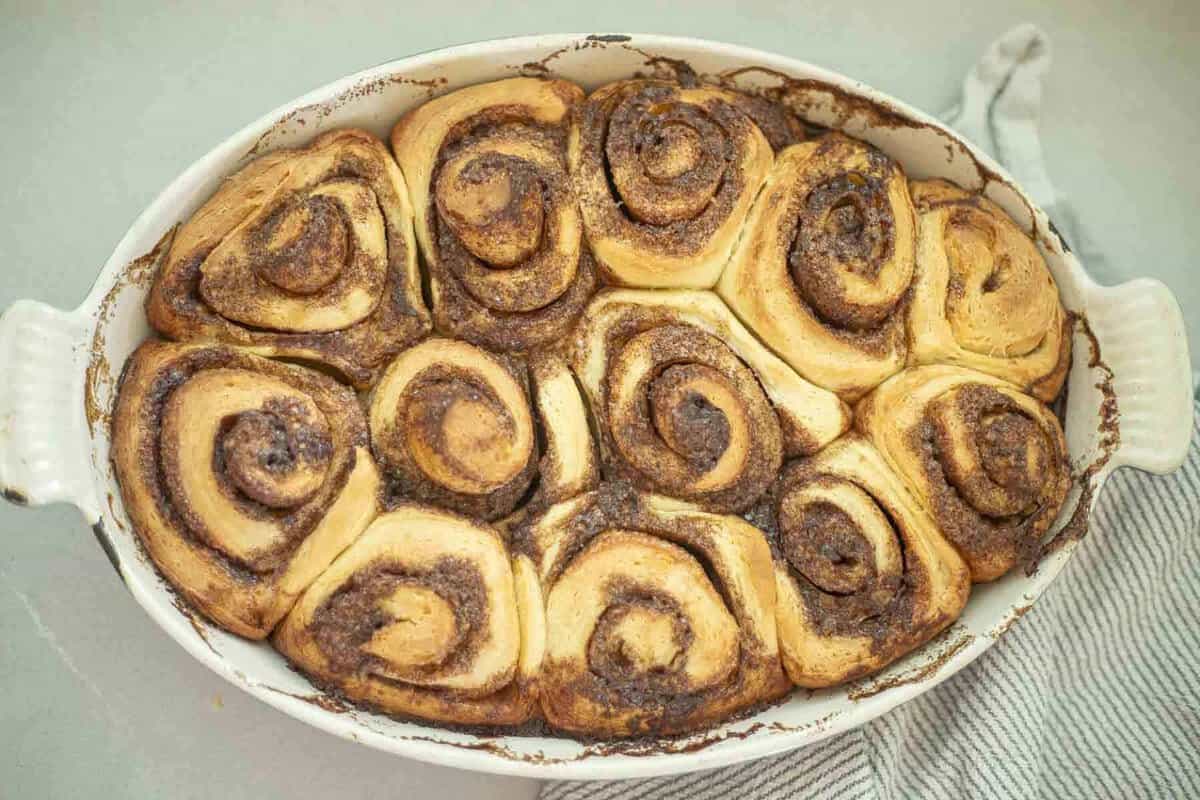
<point x="61" y="369"/>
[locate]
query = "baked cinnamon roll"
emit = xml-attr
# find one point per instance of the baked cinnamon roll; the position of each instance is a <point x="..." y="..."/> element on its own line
<point x="863" y="574"/>
<point x="822" y="272"/>
<point x="497" y="216"/>
<point x="988" y="462"/>
<point x="688" y="403"/>
<point x="454" y="425"/>
<point x="983" y="297"/>
<point x="243" y="477"/>
<point x="659" y="617"/>
<point x="666" y="175"/>
<point x="305" y="253"/>
<point x="423" y="616"/>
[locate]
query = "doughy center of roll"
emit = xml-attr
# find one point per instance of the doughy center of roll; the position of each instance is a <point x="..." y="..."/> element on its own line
<point x="1013" y="450"/>
<point x="447" y="416"/>
<point x="311" y="261"/>
<point x="642" y="613"/>
<point x="463" y="438"/>
<point x="666" y="157"/>
<point x="433" y="606"/>
<point x="686" y="412"/>
<point x="691" y="406"/>
<point x="841" y="258"/>
<point x="834" y="534"/>
<point x="277" y="456"/>
<point x="422" y="629"/>
<point x="493" y="203"/>
<point x="992" y="452"/>
<point x="846" y="219"/>
<point x="234" y="441"/>
<point x="635" y="640"/>
<point x="671" y="151"/>
<point x="305" y="246"/>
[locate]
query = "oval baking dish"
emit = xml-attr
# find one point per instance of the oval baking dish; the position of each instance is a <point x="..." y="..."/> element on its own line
<point x="1128" y="401"/>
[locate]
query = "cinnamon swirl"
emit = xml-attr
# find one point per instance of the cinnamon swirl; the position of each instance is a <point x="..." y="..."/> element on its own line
<point x="453" y="424"/>
<point x="424" y="616"/>
<point x="983" y="297"/>
<point x="688" y="403"/>
<point x="988" y="462"/>
<point x="863" y="574"/>
<point x="497" y="216"/>
<point x="666" y="176"/>
<point x="243" y="477"/>
<point x="659" y="617"/>
<point x="304" y="253"/>
<point x="822" y="272"/>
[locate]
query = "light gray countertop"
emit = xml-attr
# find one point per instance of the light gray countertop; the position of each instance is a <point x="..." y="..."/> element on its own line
<point x="101" y="109"/>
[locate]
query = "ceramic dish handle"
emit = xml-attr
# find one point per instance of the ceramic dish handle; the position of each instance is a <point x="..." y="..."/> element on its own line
<point x="43" y="432"/>
<point x="1143" y="340"/>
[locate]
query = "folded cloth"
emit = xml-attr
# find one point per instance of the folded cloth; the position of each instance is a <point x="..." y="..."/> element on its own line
<point x="1095" y="692"/>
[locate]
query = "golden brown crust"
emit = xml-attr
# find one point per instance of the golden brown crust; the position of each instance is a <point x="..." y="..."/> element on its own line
<point x="863" y="574"/>
<point x="424" y="615"/>
<point x="823" y="269"/>
<point x="569" y="465"/>
<point x="497" y="216"/>
<point x="659" y="617"/>
<point x="666" y="175"/>
<point x="987" y="462"/>
<point x="243" y="477"/>
<point x="983" y="297"/>
<point x="455" y="425"/>
<point x="688" y="403"/>
<point x="304" y="253"/>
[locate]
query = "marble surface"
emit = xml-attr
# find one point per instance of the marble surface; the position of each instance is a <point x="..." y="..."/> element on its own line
<point x="101" y="108"/>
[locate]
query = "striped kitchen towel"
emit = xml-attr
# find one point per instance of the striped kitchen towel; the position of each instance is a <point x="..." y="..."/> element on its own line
<point x="1095" y="692"/>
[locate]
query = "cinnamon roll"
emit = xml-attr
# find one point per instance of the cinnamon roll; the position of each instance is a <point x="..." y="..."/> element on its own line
<point x="497" y="216"/>
<point x="423" y="616"/>
<point x="666" y="176"/>
<point x="454" y="425"/>
<point x="243" y="477"/>
<point x="863" y="574"/>
<point x="822" y="272"/>
<point x="983" y="297"/>
<point x="988" y="462"/>
<point x="304" y="253"/>
<point x="659" y="617"/>
<point x="688" y="403"/>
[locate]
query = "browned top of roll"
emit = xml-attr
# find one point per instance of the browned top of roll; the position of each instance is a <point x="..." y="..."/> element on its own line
<point x="256" y="450"/>
<point x="497" y="215"/>
<point x="243" y="476"/>
<point x="425" y="615"/>
<point x="987" y="461"/>
<point x="666" y="174"/>
<point x="823" y="270"/>
<point x="453" y="425"/>
<point x="863" y="573"/>
<point x="305" y="253"/>
<point x="659" y="617"/>
<point x="984" y="297"/>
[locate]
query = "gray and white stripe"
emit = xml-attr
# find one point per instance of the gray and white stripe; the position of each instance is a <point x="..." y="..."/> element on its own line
<point x="1094" y="693"/>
